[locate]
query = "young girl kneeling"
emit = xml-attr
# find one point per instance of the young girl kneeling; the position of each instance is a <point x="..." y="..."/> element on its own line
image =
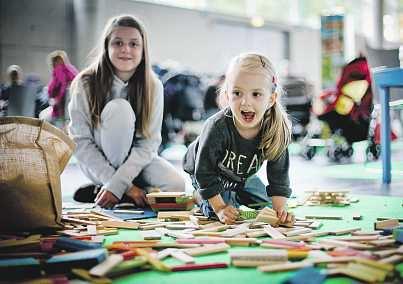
<point x="234" y="143"/>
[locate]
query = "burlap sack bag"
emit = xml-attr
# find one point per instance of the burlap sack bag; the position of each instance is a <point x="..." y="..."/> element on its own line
<point x="33" y="154"/>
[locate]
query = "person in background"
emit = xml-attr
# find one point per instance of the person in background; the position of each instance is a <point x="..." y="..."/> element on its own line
<point x="233" y="144"/>
<point x="116" y="113"/>
<point x="63" y="74"/>
<point x="16" y="98"/>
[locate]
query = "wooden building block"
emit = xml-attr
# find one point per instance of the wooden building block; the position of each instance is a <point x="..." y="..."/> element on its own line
<point x="383" y="243"/>
<point x="120" y="224"/>
<point x="151" y="235"/>
<point x="75" y="245"/>
<point x="389" y="218"/>
<point x="207" y="249"/>
<point x="284" y="266"/>
<point x="202" y="241"/>
<point x="256" y="233"/>
<point x="386" y="224"/>
<point x="324" y="217"/>
<point x="65" y="262"/>
<point x="365" y="233"/>
<point x="273" y="233"/>
<point x="282" y="244"/>
<point x="315" y="225"/>
<point x="104" y="267"/>
<point x="240" y="241"/>
<point x="260" y="255"/>
<point x="359" y="238"/>
<point x="252" y="263"/>
<point x="240" y="229"/>
<point x="173" y="215"/>
<point x="189" y="267"/>
<point x="180" y="255"/>
<point x="392" y="259"/>
<point x="297" y="232"/>
<point x="337" y="243"/>
<point x="385" y="253"/>
<point x="344" y="231"/>
<point x="155" y="262"/>
<point x="174" y="234"/>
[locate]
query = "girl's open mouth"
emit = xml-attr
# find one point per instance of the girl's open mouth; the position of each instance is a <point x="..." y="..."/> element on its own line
<point x="248" y="116"/>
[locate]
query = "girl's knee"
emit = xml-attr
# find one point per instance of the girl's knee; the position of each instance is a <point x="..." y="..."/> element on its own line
<point x="119" y="109"/>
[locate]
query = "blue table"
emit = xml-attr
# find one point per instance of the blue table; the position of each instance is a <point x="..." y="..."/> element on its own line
<point x="385" y="79"/>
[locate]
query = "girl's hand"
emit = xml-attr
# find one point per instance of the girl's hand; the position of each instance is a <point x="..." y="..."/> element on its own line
<point x="284" y="216"/>
<point x="106" y="199"/>
<point x="138" y="195"/>
<point x="279" y="205"/>
<point x="228" y="214"/>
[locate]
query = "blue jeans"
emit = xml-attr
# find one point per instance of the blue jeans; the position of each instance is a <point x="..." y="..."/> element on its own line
<point x="254" y="191"/>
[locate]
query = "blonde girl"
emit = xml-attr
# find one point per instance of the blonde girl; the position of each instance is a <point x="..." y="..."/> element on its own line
<point x="252" y="128"/>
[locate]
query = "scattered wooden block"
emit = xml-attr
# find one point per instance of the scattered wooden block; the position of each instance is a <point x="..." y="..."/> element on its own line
<point x="120" y="224"/>
<point x="273" y="233"/>
<point x="104" y="267"/>
<point x="389" y="218"/>
<point x="207" y="249"/>
<point x="297" y="232"/>
<point x="241" y="241"/>
<point x="151" y="235"/>
<point x="65" y="262"/>
<point x="285" y="266"/>
<point x="260" y="255"/>
<point x="180" y="255"/>
<point x="344" y="231"/>
<point x="173" y="215"/>
<point x="170" y="201"/>
<point x="75" y="245"/>
<point x="188" y="267"/>
<point x="359" y="238"/>
<point x="337" y="243"/>
<point x="365" y="233"/>
<point x="392" y="259"/>
<point x="386" y="224"/>
<point x="155" y="262"/>
<point x="315" y="225"/>
<point x="324" y="217"/>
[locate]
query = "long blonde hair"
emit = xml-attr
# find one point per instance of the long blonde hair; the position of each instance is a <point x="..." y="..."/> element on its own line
<point x="99" y="77"/>
<point x="276" y="126"/>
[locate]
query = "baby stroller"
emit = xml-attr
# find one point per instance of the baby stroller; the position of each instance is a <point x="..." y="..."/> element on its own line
<point x="346" y="110"/>
<point x="297" y="99"/>
<point x="183" y="93"/>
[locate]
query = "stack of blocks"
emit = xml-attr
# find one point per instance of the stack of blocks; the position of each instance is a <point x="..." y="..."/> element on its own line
<point x="169" y="201"/>
<point x="327" y="197"/>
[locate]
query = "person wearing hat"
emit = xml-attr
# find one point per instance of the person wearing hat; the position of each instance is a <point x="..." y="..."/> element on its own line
<point x="16" y="98"/>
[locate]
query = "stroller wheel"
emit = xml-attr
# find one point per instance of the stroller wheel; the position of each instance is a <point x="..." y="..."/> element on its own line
<point x="308" y="152"/>
<point x="335" y="154"/>
<point x="373" y="152"/>
<point x="349" y="152"/>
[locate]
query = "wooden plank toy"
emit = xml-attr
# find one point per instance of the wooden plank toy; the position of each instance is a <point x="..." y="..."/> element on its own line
<point x="170" y="201"/>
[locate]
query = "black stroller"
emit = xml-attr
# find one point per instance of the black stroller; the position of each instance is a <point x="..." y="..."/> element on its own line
<point x="183" y="94"/>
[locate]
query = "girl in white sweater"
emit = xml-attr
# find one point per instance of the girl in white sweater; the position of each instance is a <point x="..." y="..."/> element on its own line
<point x="116" y="113"/>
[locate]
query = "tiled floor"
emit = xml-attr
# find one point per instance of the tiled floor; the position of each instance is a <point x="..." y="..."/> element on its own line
<point x="358" y="176"/>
